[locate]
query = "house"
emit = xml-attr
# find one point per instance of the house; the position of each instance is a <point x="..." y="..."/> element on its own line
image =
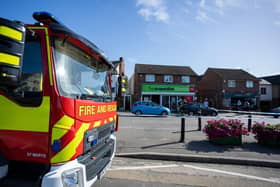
<point x="275" y="82"/>
<point x="163" y="84"/>
<point x="229" y="89"/>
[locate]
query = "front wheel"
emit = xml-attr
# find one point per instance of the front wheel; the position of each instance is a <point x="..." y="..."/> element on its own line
<point x="164" y="113"/>
<point x="138" y="112"/>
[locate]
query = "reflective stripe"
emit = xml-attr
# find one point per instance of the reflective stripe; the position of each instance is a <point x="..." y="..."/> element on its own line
<point x="11" y="33"/>
<point x="97" y="124"/>
<point x="9" y="59"/>
<point x="62" y="127"/>
<point x="70" y="150"/>
<point x="65" y="122"/>
<point x="57" y="133"/>
<point x="34" y="119"/>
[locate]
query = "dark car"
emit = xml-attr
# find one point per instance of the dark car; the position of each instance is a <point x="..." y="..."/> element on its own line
<point x="198" y="109"/>
<point x="276" y="112"/>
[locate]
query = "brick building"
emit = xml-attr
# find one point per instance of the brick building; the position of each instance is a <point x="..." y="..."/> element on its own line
<point x="275" y="82"/>
<point x="229" y="88"/>
<point x="166" y="85"/>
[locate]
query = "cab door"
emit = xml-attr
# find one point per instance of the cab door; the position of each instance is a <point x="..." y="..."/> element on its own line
<point x="24" y="101"/>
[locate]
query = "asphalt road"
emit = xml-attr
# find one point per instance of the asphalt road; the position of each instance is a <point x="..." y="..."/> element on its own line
<point x="161" y="134"/>
<point x="152" y="173"/>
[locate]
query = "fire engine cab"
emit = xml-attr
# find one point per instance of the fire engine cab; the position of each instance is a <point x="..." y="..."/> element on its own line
<point x="57" y="113"/>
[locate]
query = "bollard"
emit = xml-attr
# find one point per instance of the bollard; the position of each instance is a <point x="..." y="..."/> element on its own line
<point x="199" y="123"/>
<point x="182" y="139"/>
<point x="249" y="122"/>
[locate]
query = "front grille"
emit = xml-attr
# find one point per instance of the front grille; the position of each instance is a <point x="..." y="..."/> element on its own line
<point x="104" y="133"/>
<point x="96" y="161"/>
<point x="99" y="135"/>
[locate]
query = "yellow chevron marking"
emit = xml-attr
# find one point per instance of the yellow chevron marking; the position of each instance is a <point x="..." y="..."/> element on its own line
<point x="69" y="150"/>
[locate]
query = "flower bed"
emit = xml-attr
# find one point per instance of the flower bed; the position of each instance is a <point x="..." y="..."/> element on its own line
<point x="267" y="134"/>
<point x="225" y="132"/>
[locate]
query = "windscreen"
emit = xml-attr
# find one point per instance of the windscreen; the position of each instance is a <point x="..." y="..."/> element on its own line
<point x="79" y="74"/>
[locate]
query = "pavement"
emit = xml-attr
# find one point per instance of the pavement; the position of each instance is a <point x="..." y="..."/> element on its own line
<point x="157" y="138"/>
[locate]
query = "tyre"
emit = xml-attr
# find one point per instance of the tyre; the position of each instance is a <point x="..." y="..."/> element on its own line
<point x="164" y="113"/>
<point x="190" y="113"/>
<point x="214" y="113"/>
<point x="138" y="112"/>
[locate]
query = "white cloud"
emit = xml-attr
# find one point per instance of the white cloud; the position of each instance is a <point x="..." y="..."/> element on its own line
<point x="149" y="3"/>
<point x="227" y="3"/>
<point x="202" y="4"/>
<point x="153" y="9"/>
<point x="203" y="17"/>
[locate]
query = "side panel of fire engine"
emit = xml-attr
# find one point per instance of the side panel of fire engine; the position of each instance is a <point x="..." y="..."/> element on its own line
<point x="25" y="106"/>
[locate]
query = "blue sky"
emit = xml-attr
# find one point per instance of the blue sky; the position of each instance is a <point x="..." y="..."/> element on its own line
<point x="197" y="33"/>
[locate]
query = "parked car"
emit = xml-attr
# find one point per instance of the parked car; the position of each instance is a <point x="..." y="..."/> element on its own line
<point x="276" y="112"/>
<point x="149" y="107"/>
<point x="198" y="109"/>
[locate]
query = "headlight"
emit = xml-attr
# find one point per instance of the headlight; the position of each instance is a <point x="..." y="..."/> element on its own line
<point x="72" y="178"/>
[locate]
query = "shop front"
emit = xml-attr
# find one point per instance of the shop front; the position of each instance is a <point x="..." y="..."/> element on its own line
<point x="170" y="95"/>
<point x="241" y="101"/>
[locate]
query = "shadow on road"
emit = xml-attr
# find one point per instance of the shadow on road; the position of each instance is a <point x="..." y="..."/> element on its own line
<point x="206" y="146"/>
<point x="185" y="131"/>
<point x="158" y="145"/>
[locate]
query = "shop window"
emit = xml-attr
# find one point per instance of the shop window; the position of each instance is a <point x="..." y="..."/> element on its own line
<point x="168" y="78"/>
<point x="231" y="83"/>
<point x="263" y="91"/>
<point x="185" y="79"/>
<point x="249" y="84"/>
<point x="150" y="78"/>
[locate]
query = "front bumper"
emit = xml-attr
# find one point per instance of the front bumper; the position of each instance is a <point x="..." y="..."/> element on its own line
<point x="92" y="167"/>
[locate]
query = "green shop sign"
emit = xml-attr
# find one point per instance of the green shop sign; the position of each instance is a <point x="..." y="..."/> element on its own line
<point x="171" y="88"/>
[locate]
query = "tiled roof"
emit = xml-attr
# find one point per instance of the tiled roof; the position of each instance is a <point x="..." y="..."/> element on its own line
<point x="233" y="74"/>
<point x="164" y="69"/>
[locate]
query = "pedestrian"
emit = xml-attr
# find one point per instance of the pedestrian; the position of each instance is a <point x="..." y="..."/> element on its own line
<point x="238" y="104"/>
<point x="206" y="103"/>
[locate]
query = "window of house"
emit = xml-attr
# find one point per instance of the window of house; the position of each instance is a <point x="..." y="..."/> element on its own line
<point x="249" y="84"/>
<point x="168" y="78"/>
<point x="263" y="91"/>
<point x="150" y="78"/>
<point x="231" y="83"/>
<point x="185" y="79"/>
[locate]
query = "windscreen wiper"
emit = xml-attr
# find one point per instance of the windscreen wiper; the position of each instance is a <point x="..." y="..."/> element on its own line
<point x="90" y="97"/>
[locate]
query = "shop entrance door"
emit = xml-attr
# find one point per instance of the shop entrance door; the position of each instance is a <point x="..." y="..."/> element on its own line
<point x="165" y="101"/>
<point x="173" y="103"/>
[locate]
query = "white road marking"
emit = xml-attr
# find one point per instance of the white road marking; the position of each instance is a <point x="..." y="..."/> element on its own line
<point x="272" y="180"/>
<point x="233" y="173"/>
<point x="143" y="167"/>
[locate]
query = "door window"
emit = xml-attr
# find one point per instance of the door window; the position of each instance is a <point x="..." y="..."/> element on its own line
<point x="29" y="90"/>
